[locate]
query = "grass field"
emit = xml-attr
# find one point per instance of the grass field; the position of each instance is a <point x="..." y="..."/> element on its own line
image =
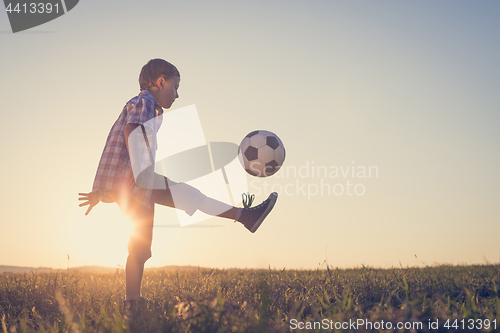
<point x="204" y="300"/>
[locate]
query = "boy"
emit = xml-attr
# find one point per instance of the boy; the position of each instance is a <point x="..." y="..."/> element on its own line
<point x="116" y="181"/>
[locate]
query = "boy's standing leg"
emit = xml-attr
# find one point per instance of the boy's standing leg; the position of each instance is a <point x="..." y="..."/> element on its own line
<point x="139" y="245"/>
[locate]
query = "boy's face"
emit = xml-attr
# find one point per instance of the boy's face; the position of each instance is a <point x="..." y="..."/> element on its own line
<point x="167" y="91"/>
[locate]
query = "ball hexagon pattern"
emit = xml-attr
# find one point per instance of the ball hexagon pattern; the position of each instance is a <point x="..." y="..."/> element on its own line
<point x="261" y="153"/>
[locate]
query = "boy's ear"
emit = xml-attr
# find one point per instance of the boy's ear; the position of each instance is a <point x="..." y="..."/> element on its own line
<point x="160" y="82"/>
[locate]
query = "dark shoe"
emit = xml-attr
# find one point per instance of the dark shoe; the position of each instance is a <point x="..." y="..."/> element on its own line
<point x="135" y="308"/>
<point x="252" y="217"/>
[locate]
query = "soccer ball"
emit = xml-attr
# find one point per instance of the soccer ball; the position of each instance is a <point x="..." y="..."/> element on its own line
<point x="261" y="153"/>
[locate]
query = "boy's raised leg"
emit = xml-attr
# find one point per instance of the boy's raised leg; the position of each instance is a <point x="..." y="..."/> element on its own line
<point x="190" y="199"/>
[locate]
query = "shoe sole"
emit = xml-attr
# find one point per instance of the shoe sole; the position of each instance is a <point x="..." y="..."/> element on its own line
<point x="272" y="200"/>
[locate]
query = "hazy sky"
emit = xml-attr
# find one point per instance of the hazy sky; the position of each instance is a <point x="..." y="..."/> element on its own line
<point x="410" y="88"/>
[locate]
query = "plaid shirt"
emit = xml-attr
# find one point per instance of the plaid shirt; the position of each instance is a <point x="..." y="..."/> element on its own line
<point x="115" y="168"/>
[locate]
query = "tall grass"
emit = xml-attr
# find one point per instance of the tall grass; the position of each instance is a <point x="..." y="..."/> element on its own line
<point x="241" y="300"/>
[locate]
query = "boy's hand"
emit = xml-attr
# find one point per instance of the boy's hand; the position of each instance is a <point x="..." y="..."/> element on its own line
<point x="92" y="198"/>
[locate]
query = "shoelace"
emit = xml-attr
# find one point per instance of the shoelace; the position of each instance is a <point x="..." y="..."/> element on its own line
<point x="247" y="200"/>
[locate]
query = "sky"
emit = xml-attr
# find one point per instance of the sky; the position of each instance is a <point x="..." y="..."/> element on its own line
<point x="408" y="90"/>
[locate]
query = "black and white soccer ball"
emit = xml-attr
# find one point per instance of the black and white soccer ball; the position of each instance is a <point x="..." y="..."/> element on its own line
<point x="261" y="153"/>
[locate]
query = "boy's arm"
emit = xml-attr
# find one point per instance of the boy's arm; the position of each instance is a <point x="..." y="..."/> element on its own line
<point x="135" y="151"/>
<point x="93" y="198"/>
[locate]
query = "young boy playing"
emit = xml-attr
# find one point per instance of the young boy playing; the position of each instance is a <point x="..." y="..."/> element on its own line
<point x="115" y="180"/>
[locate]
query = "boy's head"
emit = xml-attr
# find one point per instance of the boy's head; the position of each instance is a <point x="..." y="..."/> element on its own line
<point x="153" y="70"/>
<point x="161" y="79"/>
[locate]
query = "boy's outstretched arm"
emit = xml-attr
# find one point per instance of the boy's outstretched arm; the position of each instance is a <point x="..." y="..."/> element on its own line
<point x="94" y="197"/>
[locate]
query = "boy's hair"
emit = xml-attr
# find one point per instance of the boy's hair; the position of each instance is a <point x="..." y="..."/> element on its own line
<point x="155" y="68"/>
